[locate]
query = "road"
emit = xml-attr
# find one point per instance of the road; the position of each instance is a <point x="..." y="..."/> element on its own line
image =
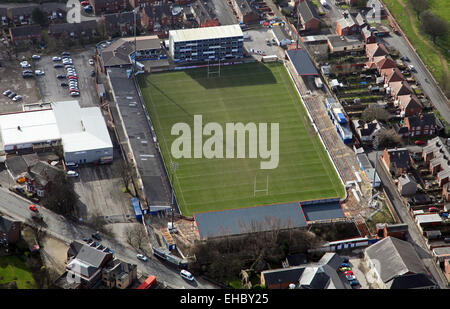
<point x="415" y="237"/>
<point x="224" y="13"/>
<point x="60" y="228"/>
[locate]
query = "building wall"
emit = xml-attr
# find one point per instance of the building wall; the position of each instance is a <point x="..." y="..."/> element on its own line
<point x="89" y="156"/>
<point x="198" y="51"/>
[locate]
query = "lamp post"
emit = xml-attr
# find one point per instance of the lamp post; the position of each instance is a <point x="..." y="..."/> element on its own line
<point x="135" y="11"/>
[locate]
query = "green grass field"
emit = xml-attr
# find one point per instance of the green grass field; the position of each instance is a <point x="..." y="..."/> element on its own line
<point x="406" y="17"/>
<point x="13" y="269"/>
<point x="243" y="93"/>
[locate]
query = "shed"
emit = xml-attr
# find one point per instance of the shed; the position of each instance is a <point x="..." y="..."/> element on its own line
<point x="428" y="219"/>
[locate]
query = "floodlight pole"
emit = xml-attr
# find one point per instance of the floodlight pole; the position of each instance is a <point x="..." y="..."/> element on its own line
<point x="135" y="12"/>
<point x="173" y="166"/>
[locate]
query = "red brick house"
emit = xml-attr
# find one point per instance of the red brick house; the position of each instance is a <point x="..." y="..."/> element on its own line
<point x="347" y="25"/>
<point x="437" y="155"/>
<point x="156" y="18"/>
<point x="409" y="104"/>
<point x="86" y="29"/>
<point x="446" y="192"/>
<point x="108" y="6"/>
<point x="396" y="160"/>
<point x="423" y="125"/>
<point x="385" y="62"/>
<point x="25" y="34"/>
<point x="309" y="17"/>
<point x="9" y="230"/>
<point x="246" y="14"/>
<point x="120" y="23"/>
<point x="368" y="36"/>
<point x="392" y="75"/>
<point x="376" y="50"/>
<point x="203" y="16"/>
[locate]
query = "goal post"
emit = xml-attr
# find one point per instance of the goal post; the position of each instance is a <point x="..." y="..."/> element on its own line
<point x="265" y="189"/>
<point x="212" y="69"/>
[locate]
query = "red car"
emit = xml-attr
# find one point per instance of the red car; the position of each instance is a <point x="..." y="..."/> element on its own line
<point x="72" y="77"/>
<point x="433" y="209"/>
<point x="33" y="208"/>
<point x="348" y="272"/>
<point x="83" y="3"/>
<point x="419" y="142"/>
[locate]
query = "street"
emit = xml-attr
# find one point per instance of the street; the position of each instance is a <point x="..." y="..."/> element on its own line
<point x="60" y="228"/>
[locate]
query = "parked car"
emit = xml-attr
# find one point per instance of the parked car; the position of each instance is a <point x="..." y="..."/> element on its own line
<point x="343" y="269"/>
<point x="345" y="265"/>
<point x="348" y="272"/>
<point x="33" y="208"/>
<point x="64" y="85"/>
<point x="91" y="61"/>
<point x="419" y="142"/>
<point x="56" y="59"/>
<point x="75" y="94"/>
<point x="65" y="53"/>
<point x="71" y="164"/>
<point x="25" y="64"/>
<point x="12" y="95"/>
<point x="96" y="235"/>
<point x="92" y="73"/>
<point x="35" y="57"/>
<point x="84" y="3"/>
<point x="433" y="209"/>
<point x="350" y="277"/>
<point x="354" y="283"/>
<point x="60" y="76"/>
<point x="142" y="257"/>
<point x="186" y="275"/>
<point x="87" y="239"/>
<point x="405" y="58"/>
<point x="72" y="77"/>
<point x="17" y="98"/>
<point x="7" y="92"/>
<point x="72" y="174"/>
<point x="39" y="72"/>
<point x="58" y="65"/>
<point x="412" y="68"/>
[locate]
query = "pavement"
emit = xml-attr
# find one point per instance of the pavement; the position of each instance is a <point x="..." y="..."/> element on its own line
<point x="60" y="228"/>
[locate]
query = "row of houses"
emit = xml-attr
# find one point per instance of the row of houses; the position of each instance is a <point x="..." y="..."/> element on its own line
<point x="22" y="15"/>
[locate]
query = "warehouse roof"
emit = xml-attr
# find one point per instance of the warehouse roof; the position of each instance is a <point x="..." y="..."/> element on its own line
<point x="206" y="33"/>
<point x="28" y="127"/>
<point x="81" y="128"/>
<point x="301" y="61"/>
<point x="249" y="220"/>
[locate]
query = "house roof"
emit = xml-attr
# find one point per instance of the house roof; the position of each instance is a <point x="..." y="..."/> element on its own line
<point x="428" y="218"/>
<point x="406" y="179"/>
<point x="6" y="223"/>
<point x="323" y="209"/>
<point x="16" y="165"/>
<point x="92" y="256"/>
<point x="394" y="257"/>
<point x="314" y="278"/>
<point x="392" y="74"/>
<point x="360" y="20"/>
<point x="412" y="281"/>
<point x="21" y="10"/>
<point x="74" y="248"/>
<point x="400" y="227"/>
<point x="331" y="259"/>
<point x="280" y="33"/>
<point x="25" y="30"/>
<point x="385" y="63"/>
<point x="347" y="20"/>
<point x="376" y="50"/>
<point x="283" y="275"/>
<point x="206" y="33"/>
<point x="83" y="26"/>
<point x="307" y="11"/>
<point x="399" y="157"/>
<point x="409" y="101"/>
<point x="401" y="88"/>
<point x="44" y="172"/>
<point x="338" y="41"/>
<point x="422" y="120"/>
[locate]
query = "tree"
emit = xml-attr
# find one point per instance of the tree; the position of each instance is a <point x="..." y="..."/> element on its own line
<point x="38" y="16"/>
<point x="433" y="25"/>
<point x="135" y="236"/>
<point x="60" y="197"/>
<point x="387" y="138"/>
<point x="373" y="112"/>
<point x="419" y="6"/>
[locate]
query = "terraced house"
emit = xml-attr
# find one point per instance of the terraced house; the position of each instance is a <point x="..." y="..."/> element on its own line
<point x="120" y="23"/>
<point x="108" y="6"/>
<point x="86" y="29"/>
<point x="25" y="34"/>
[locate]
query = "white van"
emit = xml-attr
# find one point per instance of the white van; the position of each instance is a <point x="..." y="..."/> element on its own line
<point x="186" y="275"/>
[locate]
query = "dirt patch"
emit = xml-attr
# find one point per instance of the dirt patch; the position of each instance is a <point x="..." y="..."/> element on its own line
<point x="54" y="253"/>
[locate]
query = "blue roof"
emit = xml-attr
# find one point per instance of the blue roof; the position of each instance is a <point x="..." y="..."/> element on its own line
<point x="248" y="220"/>
<point x="325" y="209"/>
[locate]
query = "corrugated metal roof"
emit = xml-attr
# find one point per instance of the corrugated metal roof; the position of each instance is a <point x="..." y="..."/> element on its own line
<point x="322" y="209"/>
<point x="248" y="220"/>
<point x="301" y="61"/>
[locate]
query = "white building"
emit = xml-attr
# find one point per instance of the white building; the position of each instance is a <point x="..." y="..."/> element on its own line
<point x="82" y="132"/>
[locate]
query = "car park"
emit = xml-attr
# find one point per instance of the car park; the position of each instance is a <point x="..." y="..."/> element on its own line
<point x="17" y="98"/>
<point x="7" y="92"/>
<point x="186" y="275"/>
<point x="39" y="72"/>
<point x="72" y="174"/>
<point x="56" y="59"/>
<point x="142" y="257"/>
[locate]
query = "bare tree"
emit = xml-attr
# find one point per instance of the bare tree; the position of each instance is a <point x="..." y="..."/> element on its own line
<point x="135" y="236"/>
<point x="419" y="6"/>
<point x="433" y="25"/>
